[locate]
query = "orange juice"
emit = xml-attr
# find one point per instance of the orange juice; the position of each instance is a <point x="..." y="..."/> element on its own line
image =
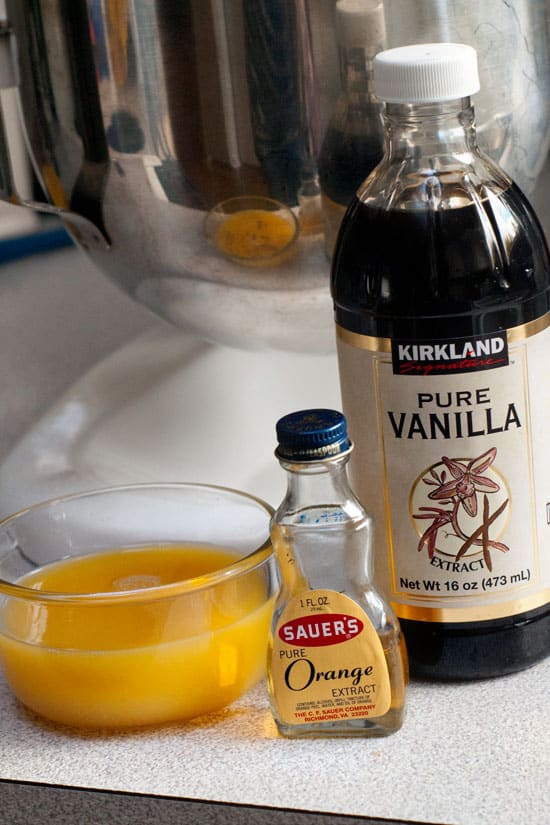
<point x="146" y="654"/>
<point x="253" y="234"/>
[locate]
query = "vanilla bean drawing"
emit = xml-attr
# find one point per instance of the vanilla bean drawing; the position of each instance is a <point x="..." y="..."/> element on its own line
<point x="457" y="488"/>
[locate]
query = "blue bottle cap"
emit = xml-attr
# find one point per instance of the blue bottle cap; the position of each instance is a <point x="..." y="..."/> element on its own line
<point x="312" y="435"/>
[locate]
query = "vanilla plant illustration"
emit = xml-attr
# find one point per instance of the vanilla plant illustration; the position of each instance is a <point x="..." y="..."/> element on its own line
<point x="460" y="492"/>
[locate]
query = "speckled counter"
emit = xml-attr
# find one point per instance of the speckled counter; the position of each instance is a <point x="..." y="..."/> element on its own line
<point x="472" y="754"/>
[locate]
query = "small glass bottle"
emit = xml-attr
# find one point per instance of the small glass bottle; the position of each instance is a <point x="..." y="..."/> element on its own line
<point x="441" y="286"/>
<point x="354" y="141"/>
<point x="336" y="663"/>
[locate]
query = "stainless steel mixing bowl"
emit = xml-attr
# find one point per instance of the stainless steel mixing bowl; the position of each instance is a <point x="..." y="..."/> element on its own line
<point x="142" y="115"/>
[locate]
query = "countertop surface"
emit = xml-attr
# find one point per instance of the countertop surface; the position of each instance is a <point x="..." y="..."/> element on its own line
<point x="96" y="390"/>
<point x="475" y="754"/>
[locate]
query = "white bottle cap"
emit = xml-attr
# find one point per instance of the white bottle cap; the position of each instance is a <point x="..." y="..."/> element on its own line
<point x="360" y="23"/>
<point x="426" y="73"/>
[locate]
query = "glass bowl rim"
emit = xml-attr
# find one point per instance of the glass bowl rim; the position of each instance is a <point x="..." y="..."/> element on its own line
<point x="253" y="560"/>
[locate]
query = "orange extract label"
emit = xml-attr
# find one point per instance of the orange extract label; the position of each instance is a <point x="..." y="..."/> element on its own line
<point x="327" y="661"/>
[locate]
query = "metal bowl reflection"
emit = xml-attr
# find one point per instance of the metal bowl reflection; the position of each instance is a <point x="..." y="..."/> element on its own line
<point x="141" y="117"/>
<point x="253" y="231"/>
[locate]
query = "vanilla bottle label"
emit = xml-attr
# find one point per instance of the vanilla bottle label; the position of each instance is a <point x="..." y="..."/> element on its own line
<point x="455" y="434"/>
<point x="327" y="661"/>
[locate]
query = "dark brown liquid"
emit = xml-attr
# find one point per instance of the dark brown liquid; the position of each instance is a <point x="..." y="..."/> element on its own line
<point x="345" y="161"/>
<point x="421" y="274"/>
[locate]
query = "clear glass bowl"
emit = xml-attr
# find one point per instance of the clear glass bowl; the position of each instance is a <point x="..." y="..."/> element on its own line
<point x="145" y="649"/>
<point x="252" y="230"/>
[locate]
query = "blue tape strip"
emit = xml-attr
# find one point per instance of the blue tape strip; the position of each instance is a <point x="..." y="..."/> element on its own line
<point x="43" y="241"/>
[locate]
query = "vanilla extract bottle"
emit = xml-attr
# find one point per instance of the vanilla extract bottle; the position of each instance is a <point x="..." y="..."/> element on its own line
<point x="336" y="663"/>
<point x="354" y="140"/>
<point x="440" y="283"/>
